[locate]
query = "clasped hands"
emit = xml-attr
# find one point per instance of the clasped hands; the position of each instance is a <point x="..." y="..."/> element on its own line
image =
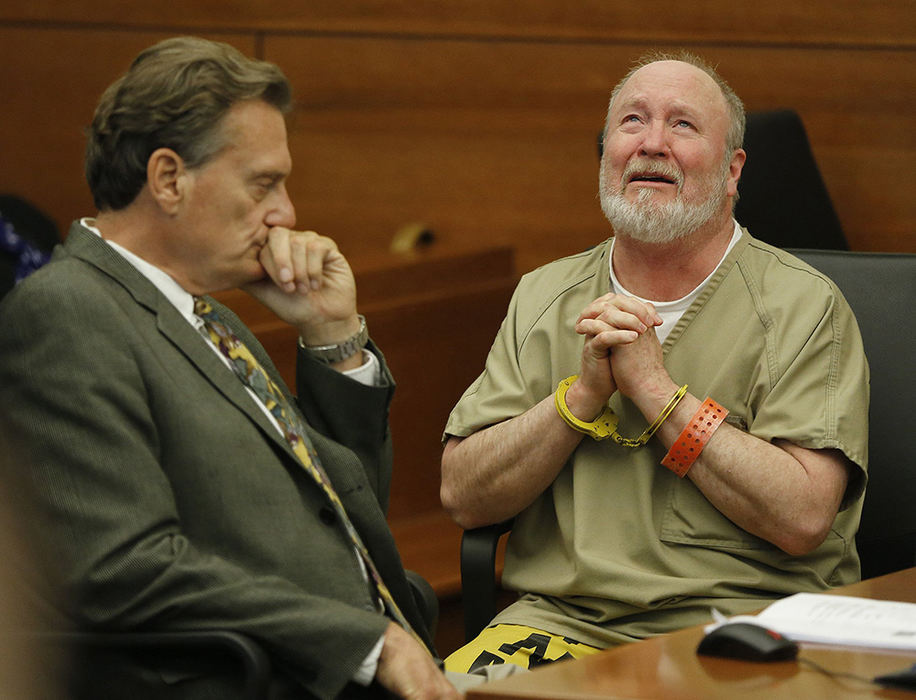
<point x="621" y="352"/>
<point x="309" y="284"/>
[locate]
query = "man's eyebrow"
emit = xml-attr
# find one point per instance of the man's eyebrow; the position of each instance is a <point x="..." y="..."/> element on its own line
<point x="680" y="109"/>
<point x="676" y="108"/>
<point x="272" y="175"/>
<point x="635" y="102"/>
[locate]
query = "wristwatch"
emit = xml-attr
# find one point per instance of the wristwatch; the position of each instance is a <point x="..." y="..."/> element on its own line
<point x="329" y="354"/>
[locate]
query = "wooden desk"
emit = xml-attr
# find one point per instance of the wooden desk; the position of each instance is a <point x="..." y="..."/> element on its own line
<point x="668" y="667"/>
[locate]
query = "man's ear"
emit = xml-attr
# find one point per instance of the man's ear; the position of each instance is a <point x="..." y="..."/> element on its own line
<point x="734" y="170"/>
<point x="166" y="178"/>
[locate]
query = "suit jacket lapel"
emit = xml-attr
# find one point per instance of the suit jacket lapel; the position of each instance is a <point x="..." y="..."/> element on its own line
<point x="88" y="247"/>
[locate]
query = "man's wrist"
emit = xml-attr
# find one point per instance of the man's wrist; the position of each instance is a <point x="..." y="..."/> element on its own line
<point x="581" y="405"/>
<point x="335" y="351"/>
<point x="329" y="332"/>
<point x="654" y="397"/>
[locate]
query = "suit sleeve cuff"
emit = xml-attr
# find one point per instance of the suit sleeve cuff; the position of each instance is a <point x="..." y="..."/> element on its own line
<point x="369" y="666"/>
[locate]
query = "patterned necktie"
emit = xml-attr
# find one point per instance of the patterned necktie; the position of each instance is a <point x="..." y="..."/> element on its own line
<point x="250" y="371"/>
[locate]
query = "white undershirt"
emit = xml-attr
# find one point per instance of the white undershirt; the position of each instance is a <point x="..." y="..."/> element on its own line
<point x="670" y="311"/>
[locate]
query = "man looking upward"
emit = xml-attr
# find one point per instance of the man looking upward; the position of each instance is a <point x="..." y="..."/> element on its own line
<point x="628" y="520"/>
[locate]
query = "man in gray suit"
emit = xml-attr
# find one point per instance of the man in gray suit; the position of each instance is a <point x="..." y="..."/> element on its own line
<point x="169" y="494"/>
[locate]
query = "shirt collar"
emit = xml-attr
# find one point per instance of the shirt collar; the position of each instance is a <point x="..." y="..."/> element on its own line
<point x="165" y="283"/>
<point x="684" y="301"/>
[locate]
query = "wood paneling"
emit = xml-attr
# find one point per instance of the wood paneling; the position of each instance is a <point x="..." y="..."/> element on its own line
<point x="478" y="120"/>
<point x="480" y="124"/>
<point x="495" y="141"/>
<point x="484" y="142"/>
<point x="872" y="22"/>
<point x="51" y="80"/>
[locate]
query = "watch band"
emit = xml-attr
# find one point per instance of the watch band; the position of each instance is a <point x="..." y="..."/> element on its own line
<point x="693" y="438"/>
<point x="330" y="354"/>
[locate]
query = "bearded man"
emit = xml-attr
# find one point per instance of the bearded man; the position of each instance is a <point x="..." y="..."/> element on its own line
<point x="676" y="418"/>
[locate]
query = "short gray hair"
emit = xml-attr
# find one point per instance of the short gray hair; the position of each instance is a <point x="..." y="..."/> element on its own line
<point x="174" y="95"/>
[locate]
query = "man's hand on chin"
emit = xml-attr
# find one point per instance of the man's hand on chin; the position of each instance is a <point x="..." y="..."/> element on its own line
<point x="308" y="284"/>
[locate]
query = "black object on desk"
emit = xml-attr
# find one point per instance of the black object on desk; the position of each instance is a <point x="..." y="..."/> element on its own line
<point x="904" y="680"/>
<point x="743" y="640"/>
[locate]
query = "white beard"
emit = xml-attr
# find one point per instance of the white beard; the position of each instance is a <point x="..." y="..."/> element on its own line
<point x="650" y="222"/>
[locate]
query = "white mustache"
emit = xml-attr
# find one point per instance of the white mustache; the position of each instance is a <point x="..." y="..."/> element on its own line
<point x="645" y="168"/>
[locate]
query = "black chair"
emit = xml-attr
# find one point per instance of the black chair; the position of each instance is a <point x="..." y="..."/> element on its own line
<point x="86" y="650"/>
<point x="881" y="289"/>
<point x="87" y="665"/>
<point x="479" y="587"/>
<point x="32" y="226"/>
<point x="783" y="199"/>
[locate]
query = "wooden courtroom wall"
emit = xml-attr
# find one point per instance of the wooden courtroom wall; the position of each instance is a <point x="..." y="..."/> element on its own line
<point x="477" y="119"/>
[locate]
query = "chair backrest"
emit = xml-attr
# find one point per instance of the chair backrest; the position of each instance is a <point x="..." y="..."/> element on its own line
<point x="881" y="289"/>
<point x="30" y="224"/>
<point x="783" y="199"/>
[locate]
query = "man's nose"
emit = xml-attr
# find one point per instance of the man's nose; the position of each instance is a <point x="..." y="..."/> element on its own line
<point x="283" y="213"/>
<point x="655" y="140"/>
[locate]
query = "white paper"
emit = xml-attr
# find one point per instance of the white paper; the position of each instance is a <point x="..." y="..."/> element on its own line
<point x="839" y="620"/>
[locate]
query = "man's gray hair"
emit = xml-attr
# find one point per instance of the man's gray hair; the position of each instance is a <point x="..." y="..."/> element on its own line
<point x="174" y="95"/>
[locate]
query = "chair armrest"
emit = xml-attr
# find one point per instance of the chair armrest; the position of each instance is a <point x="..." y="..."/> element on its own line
<point x="256" y="664"/>
<point x="426" y="598"/>
<point x="478" y="575"/>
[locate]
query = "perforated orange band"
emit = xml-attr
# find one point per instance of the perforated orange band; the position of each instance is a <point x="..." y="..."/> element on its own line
<point x="690" y="442"/>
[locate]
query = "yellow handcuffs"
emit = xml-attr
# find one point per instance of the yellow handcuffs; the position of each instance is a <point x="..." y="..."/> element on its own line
<point x="605" y="425"/>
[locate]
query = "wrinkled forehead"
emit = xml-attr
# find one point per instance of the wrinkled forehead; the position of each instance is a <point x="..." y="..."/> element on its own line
<point x="672" y="83"/>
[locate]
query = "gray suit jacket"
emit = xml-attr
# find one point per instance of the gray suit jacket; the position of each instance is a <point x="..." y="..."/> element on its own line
<point x="164" y="497"/>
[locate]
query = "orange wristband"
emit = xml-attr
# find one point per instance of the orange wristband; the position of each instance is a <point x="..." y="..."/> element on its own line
<point x="690" y="442"/>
